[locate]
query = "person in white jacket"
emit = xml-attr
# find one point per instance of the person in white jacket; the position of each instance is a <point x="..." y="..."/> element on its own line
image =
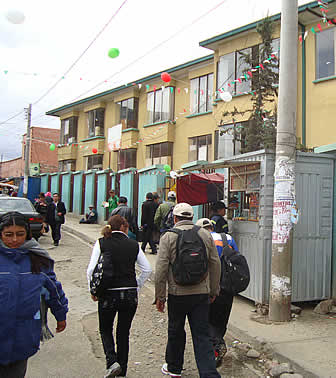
<point x="121" y="290"/>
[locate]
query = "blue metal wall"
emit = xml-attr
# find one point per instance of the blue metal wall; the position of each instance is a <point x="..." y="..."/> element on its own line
<point x="54" y="185"/>
<point x="89" y="189"/>
<point x="66" y="189"/>
<point x="45" y="182"/>
<point x="77" y="193"/>
<point x="150" y="181"/>
<point x="126" y="184"/>
<point x="101" y="193"/>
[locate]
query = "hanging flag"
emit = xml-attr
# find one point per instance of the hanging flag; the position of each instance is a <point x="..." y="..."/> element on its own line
<point x="319" y="26"/>
<point x="178" y="90"/>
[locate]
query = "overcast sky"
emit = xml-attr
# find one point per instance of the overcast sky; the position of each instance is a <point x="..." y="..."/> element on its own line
<point x="152" y="35"/>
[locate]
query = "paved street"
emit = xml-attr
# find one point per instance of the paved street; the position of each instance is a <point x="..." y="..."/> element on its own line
<point x="78" y="353"/>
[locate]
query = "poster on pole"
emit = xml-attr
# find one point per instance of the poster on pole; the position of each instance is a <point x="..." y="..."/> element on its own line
<point x="114" y="137"/>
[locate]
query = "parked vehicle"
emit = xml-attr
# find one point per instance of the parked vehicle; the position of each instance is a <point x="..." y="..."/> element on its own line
<point x="25" y="207"/>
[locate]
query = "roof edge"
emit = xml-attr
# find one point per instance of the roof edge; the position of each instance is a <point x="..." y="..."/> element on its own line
<point x="139" y="81"/>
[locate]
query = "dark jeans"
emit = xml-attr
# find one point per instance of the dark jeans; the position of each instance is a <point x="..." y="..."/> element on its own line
<point x="87" y="221"/>
<point x="56" y="231"/>
<point x="15" y="369"/>
<point x="219" y="315"/>
<point x="196" y="308"/>
<point x="123" y="302"/>
<point x="148" y="238"/>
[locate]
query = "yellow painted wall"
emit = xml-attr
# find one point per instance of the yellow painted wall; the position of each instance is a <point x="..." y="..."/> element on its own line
<point x="321" y="100"/>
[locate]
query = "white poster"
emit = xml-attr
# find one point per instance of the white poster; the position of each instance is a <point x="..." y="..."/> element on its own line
<point x="114" y="137"/>
<point x="202" y="153"/>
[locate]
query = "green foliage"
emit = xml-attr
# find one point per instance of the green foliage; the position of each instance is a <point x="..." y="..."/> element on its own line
<point x="260" y="130"/>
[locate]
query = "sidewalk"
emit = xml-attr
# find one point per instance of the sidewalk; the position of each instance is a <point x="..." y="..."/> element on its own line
<point x="308" y="343"/>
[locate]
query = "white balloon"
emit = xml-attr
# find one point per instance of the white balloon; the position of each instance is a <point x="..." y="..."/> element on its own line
<point x="173" y="174"/>
<point x="225" y="96"/>
<point x="15" y="16"/>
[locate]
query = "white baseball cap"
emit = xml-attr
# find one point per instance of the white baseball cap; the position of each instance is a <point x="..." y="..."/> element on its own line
<point x="171" y="194"/>
<point x="204" y="222"/>
<point x="183" y="210"/>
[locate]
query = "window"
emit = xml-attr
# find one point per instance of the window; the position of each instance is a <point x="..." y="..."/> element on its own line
<point x="95" y="162"/>
<point x="201" y="89"/>
<point x="233" y="66"/>
<point x="69" y="130"/>
<point x="67" y="165"/>
<point x="129" y="113"/>
<point x="225" y="144"/>
<point x="200" y="148"/>
<point x="325" y="53"/>
<point x="158" y="153"/>
<point x="96" y="122"/>
<point x="127" y="158"/>
<point x="160" y="105"/>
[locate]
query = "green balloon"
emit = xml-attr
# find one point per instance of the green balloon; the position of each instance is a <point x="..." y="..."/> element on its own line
<point x="113" y="53"/>
<point x="52" y="147"/>
<point x="167" y="168"/>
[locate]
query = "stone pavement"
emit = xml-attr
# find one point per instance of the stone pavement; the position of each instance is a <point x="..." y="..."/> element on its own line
<point x="308" y="342"/>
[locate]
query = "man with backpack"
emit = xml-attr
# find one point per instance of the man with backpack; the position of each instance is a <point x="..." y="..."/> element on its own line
<point x="162" y="219"/>
<point x="220" y="309"/>
<point x="189" y="262"/>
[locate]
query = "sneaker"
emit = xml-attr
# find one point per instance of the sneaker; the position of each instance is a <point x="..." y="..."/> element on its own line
<point x="56" y="243"/>
<point x="165" y="371"/>
<point x="113" y="370"/>
<point x="220" y="352"/>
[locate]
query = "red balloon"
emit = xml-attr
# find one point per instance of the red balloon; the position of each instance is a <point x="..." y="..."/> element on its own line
<point x="94" y="150"/>
<point x="165" y="77"/>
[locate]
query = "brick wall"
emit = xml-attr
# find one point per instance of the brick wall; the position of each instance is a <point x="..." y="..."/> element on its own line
<point x="41" y="139"/>
<point x="12" y="168"/>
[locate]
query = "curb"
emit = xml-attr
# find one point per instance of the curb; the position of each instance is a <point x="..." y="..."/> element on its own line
<point x="238" y="333"/>
<point x="79" y="234"/>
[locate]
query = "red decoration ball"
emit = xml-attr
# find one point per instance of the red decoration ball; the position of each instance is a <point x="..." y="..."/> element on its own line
<point x="94" y="150"/>
<point x="165" y="77"/>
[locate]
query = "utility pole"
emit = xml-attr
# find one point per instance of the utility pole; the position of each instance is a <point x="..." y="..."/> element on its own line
<point x="27" y="153"/>
<point x="284" y="175"/>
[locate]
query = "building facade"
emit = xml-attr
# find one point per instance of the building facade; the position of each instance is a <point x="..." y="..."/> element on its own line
<point x="179" y="122"/>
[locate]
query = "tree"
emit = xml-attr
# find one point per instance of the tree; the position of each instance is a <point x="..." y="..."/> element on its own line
<point x="262" y="70"/>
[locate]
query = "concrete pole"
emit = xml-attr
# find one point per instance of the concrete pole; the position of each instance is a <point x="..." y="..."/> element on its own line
<point x="27" y="153"/>
<point x="284" y="175"/>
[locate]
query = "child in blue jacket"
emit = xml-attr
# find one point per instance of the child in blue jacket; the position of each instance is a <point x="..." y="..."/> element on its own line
<point x="25" y="270"/>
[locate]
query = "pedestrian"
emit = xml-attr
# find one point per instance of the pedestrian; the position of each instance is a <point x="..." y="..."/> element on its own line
<point x="163" y="210"/>
<point x="217" y="218"/>
<point x="220" y="309"/>
<point x="90" y="217"/>
<point x="156" y="230"/>
<point x="128" y="213"/>
<point x="147" y="222"/>
<point x="48" y="198"/>
<point x="190" y="301"/>
<point x="41" y="207"/>
<point x="121" y="296"/>
<point x="55" y="217"/>
<point x="112" y="201"/>
<point x="26" y="269"/>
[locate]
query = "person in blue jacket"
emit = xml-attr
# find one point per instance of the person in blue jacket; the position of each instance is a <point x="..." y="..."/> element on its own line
<point x="25" y="270"/>
<point x="220" y="309"/>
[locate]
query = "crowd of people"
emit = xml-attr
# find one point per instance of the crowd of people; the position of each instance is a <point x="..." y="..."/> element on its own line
<point x="188" y="291"/>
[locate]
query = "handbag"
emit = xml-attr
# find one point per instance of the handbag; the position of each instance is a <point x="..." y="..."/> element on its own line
<point x="98" y="280"/>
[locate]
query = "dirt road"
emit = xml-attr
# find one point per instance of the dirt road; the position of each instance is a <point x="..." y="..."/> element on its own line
<point x="78" y="352"/>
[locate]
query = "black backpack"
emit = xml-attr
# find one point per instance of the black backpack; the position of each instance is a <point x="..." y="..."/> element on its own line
<point x="102" y="275"/>
<point x="191" y="264"/>
<point x="235" y="272"/>
<point x="168" y="220"/>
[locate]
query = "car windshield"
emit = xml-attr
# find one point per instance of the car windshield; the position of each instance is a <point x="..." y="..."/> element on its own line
<point x="22" y="205"/>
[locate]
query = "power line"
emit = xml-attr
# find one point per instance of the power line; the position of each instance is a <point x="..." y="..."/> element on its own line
<point x="72" y="65"/>
<point x="81" y="55"/>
